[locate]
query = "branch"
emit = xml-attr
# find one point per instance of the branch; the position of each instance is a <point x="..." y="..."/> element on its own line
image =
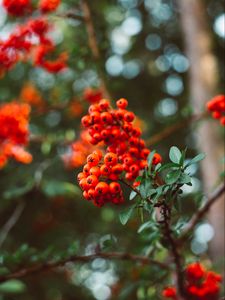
<point x="82" y="259"/>
<point x="165" y="211"/>
<point x="202" y="211"/>
<point x="70" y="15"/>
<point x="93" y="44"/>
<point x="11" y="222"/>
<point x="168" y="131"/>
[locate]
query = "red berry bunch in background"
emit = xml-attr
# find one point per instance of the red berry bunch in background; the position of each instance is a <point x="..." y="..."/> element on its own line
<point x="200" y="284"/>
<point x="92" y="95"/>
<point x="217" y="106"/>
<point x="30" y="40"/>
<point x="17" y="7"/>
<point x="21" y="7"/>
<point x="99" y="179"/>
<point x="114" y="127"/>
<point x="14" y="133"/>
<point x="48" y="5"/>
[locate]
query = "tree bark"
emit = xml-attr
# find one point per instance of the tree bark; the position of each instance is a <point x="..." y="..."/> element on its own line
<point x="203" y="75"/>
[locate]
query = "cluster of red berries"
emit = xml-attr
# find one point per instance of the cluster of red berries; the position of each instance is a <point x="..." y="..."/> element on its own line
<point x="126" y="153"/>
<point x="114" y="128"/>
<point x="200" y="284"/>
<point x="30" y="40"/>
<point x="217" y="106"/>
<point x="99" y="179"/>
<point x="14" y="133"/>
<point x="21" y="7"/>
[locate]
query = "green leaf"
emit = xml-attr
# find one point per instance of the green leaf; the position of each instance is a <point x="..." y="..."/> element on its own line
<point x="196" y="159"/>
<point x="133" y="194"/>
<point x="57" y="188"/>
<point x="12" y="287"/>
<point x="172" y="176"/>
<point x="126" y="215"/>
<point x="168" y="166"/>
<point x="184" y="178"/>
<point x="146" y="225"/>
<point x="150" y="158"/>
<point x="175" y="155"/>
<point x="145" y="188"/>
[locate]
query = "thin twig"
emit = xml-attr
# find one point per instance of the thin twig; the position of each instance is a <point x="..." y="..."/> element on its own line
<point x="11" y="222"/>
<point x="202" y="211"/>
<point x="82" y="259"/>
<point x="93" y="44"/>
<point x="168" y="131"/>
<point x="70" y="15"/>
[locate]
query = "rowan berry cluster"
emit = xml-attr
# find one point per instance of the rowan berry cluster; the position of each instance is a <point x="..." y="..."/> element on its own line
<point x="217" y="106"/>
<point x="22" y="7"/>
<point x="14" y="133"/>
<point x="30" y="40"/>
<point x="126" y="153"/>
<point x="99" y="179"/>
<point x="200" y="284"/>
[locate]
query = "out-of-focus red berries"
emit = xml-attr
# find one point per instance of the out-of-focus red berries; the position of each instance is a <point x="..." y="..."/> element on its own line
<point x="47" y="6"/>
<point x="17" y="7"/>
<point x="14" y="132"/>
<point x="200" y="284"/>
<point x="217" y="106"/>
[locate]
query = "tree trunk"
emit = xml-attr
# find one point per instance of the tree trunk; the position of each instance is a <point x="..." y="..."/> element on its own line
<point x="203" y="76"/>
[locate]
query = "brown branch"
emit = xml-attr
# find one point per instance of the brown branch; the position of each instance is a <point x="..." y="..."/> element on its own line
<point x="93" y="44"/>
<point x="166" y="214"/>
<point x="168" y="131"/>
<point x="81" y="259"/>
<point x="70" y="15"/>
<point x="11" y="222"/>
<point x="202" y="211"/>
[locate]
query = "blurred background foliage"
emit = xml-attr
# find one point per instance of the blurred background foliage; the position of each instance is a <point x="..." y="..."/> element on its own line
<point x="143" y="60"/>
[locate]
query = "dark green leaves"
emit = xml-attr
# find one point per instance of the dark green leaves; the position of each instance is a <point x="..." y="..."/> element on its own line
<point x="126" y="214"/>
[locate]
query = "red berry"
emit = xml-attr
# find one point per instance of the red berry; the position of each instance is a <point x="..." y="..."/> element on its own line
<point x="122" y="103"/>
<point x="95" y="171"/>
<point x="92" y="181"/>
<point x="80" y="176"/>
<point x="98" y="153"/>
<point x="110" y="159"/>
<point x="129" y="117"/>
<point x="86" y="121"/>
<point x="117" y="169"/>
<point x="86" y="169"/>
<point x="93" y="159"/>
<point x="106" y="117"/>
<point x="114" y="187"/>
<point x="101" y="188"/>
<point x="156" y="159"/>
<point x="103" y="104"/>
<point x="105" y="170"/>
